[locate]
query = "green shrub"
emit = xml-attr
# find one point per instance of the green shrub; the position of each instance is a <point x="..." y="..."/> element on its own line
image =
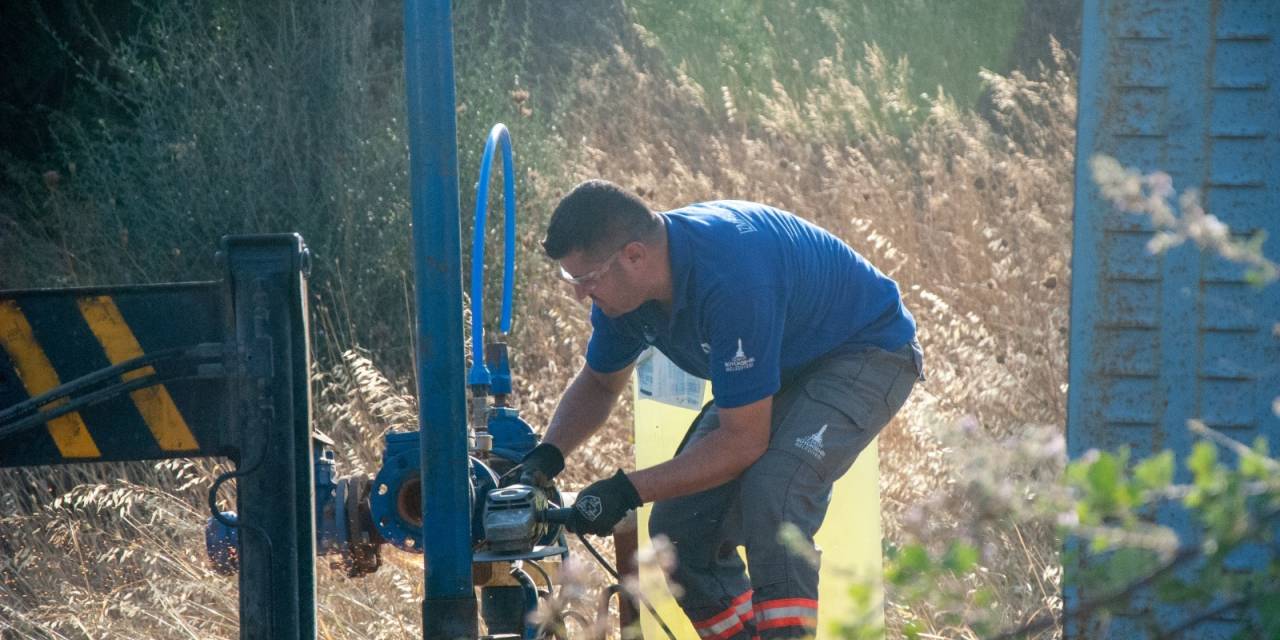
<point x="743" y="51"/>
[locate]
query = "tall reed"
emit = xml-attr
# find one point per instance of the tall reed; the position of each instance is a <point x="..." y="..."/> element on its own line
<point x="970" y="214"/>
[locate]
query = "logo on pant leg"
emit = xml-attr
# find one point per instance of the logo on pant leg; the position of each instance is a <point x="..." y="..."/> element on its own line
<point x="812" y="443"/>
<point x="590" y="507"/>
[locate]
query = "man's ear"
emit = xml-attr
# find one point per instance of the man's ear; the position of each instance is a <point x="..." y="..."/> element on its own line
<point x="634" y="252"/>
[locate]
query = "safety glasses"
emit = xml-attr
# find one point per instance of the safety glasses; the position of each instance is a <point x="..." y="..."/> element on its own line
<point x="591" y="277"/>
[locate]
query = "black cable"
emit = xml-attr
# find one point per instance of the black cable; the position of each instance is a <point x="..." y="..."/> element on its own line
<point x="87" y="400"/>
<point x="204" y="351"/>
<point x="599" y="558"/>
<point x="266" y="538"/>
<point x="513" y="470"/>
<point x="510" y="455"/>
<point x="100" y="395"/>
<point x="236" y="524"/>
<point x="639" y="596"/>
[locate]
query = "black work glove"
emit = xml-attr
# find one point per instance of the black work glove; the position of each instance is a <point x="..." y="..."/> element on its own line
<point x="604" y="503"/>
<point x="541" y="464"/>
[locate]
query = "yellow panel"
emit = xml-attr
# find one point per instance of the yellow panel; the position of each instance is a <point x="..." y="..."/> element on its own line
<point x="849" y="537"/>
<point x="154" y="403"/>
<point x="36" y="372"/>
<point x="659" y="429"/>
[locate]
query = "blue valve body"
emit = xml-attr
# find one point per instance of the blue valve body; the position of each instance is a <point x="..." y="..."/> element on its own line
<point x="222" y="544"/>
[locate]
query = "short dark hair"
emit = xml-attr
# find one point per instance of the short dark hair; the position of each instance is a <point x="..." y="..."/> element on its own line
<point x="599" y="216"/>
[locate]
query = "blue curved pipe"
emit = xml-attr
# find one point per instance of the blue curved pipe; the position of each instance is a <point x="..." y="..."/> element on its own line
<point x="479" y="373"/>
<point x="530" y="591"/>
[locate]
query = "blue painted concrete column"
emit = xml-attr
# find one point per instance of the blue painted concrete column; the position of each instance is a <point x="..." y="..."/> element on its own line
<point x="1190" y="88"/>
<point x="449" y="608"/>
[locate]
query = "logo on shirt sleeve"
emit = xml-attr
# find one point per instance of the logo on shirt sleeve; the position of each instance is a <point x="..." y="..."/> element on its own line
<point x="740" y="361"/>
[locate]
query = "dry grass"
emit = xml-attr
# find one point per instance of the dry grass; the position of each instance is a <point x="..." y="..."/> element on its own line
<point x="972" y="218"/>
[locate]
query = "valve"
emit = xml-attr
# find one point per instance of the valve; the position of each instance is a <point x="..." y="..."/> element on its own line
<point x="222" y="544"/>
<point x="355" y="515"/>
<point x="344" y="526"/>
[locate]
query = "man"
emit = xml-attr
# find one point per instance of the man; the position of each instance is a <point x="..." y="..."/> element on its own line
<point x="809" y="352"/>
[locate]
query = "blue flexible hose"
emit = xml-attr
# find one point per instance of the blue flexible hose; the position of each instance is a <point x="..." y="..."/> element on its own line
<point x="479" y="373"/>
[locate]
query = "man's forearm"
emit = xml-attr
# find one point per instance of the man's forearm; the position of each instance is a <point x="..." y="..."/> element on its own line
<point x="720" y="456"/>
<point x="585" y="406"/>
<point x="709" y="462"/>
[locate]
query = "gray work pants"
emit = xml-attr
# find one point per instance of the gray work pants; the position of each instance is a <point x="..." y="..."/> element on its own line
<point x="822" y="420"/>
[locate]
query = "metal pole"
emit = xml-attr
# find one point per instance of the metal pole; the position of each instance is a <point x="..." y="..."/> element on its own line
<point x="275" y="492"/>
<point x="449" y="607"/>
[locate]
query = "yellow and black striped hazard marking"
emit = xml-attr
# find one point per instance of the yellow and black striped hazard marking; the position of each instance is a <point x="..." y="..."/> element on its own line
<point x="68" y="431"/>
<point x="119" y="344"/>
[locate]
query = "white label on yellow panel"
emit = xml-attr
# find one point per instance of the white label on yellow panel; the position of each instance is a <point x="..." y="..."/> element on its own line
<point x="660" y="380"/>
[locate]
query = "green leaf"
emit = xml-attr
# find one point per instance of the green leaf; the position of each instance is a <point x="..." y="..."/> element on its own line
<point x="983" y="597"/>
<point x="1123" y="567"/>
<point x="1106" y="488"/>
<point x="1104" y="474"/>
<point x="1099" y="543"/>
<point x="961" y="557"/>
<point x="1208" y="477"/>
<point x="1203" y="461"/>
<point x="1254" y="465"/>
<point x="1155" y="472"/>
<point x="1261" y="447"/>
<point x="1256" y="277"/>
<point x="1085" y="514"/>
<point x="1077" y="471"/>
<point x="914" y="557"/>
<point x="912" y="630"/>
<point x="912" y="561"/>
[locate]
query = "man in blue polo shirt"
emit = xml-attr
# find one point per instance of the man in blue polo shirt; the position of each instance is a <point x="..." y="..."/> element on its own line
<point x="809" y="351"/>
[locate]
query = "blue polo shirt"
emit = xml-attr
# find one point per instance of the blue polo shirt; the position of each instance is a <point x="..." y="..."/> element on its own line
<point x="758" y="293"/>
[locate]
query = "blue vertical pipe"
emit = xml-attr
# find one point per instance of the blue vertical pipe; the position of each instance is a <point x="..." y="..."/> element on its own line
<point x="449" y="606"/>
